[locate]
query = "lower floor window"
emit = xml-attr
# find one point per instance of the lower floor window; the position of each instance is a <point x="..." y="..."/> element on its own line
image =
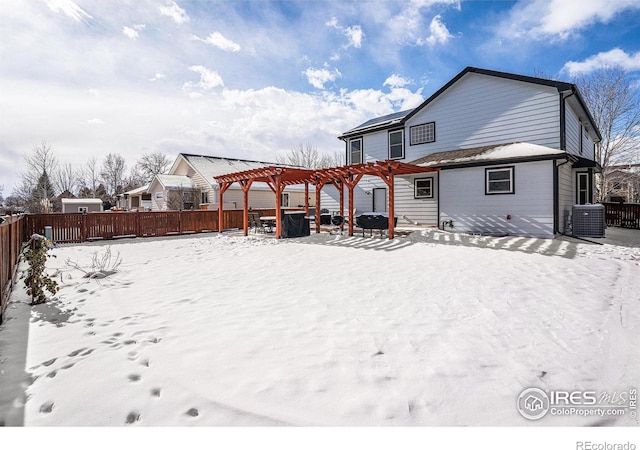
<point x="423" y="188"/>
<point x="499" y="180"/>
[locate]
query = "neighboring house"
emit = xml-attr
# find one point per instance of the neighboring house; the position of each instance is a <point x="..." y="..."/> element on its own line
<point x="81" y="205"/>
<point x="192" y="178"/>
<point x="138" y="199"/>
<point x="623" y="183"/>
<point x="515" y="154"/>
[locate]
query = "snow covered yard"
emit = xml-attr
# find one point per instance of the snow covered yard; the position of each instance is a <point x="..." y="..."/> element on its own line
<point x="429" y="329"/>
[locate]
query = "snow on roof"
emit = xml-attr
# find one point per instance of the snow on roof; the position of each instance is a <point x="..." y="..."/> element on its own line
<point x="140" y="190"/>
<point x="175" y="181"/>
<point x="514" y="150"/>
<point x="81" y="201"/>
<point x="210" y="167"/>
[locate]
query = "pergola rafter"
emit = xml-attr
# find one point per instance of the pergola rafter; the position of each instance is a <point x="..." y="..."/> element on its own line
<point x="279" y="177"/>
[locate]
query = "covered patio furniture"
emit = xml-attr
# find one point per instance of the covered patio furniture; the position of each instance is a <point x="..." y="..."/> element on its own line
<point x="375" y="221"/>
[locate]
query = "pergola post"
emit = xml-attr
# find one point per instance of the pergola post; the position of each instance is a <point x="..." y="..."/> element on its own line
<point x="318" y="191"/>
<point x="341" y="192"/>
<point x="351" y="182"/>
<point x="306" y="198"/>
<point x="392" y="204"/>
<point x="246" y="185"/>
<point x="277" y="187"/>
<point x="223" y="187"/>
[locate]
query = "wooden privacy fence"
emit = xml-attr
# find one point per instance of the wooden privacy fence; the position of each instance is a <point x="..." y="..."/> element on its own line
<point x="11" y="239"/>
<point x="78" y="227"/>
<point x="625" y="215"/>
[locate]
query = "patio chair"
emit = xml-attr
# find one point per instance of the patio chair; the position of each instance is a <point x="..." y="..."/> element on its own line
<point x="254" y="222"/>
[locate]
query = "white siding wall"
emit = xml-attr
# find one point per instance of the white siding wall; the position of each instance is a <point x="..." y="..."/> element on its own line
<point x="483" y="110"/>
<point x="158" y="205"/>
<point x="566" y="194"/>
<point x="184" y="169"/>
<point x="463" y="199"/>
<point x="376" y="146"/>
<point x="409" y="209"/>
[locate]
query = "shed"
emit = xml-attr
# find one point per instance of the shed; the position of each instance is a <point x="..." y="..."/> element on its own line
<point x="82" y="205"/>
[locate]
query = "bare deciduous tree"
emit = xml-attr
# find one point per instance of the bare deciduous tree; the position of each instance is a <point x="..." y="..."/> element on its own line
<point x="113" y="169"/>
<point x="152" y="164"/>
<point x="614" y="100"/>
<point x="66" y="178"/>
<point x="308" y="156"/>
<point x="90" y="178"/>
<point x="39" y="162"/>
<point x="184" y="198"/>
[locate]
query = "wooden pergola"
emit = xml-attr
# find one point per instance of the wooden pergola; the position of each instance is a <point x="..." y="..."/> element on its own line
<point x="278" y="178"/>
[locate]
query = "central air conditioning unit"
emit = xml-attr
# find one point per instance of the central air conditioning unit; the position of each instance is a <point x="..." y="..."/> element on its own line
<point x="588" y="221"/>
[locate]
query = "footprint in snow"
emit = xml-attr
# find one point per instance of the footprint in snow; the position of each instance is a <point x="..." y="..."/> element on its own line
<point x="193" y="412"/>
<point x="155" y="392"/>
<point x="132" y="417"/>
<point x="47" y="407"/>
<point x="48" y="363"/>
<point x="134" y="377"/>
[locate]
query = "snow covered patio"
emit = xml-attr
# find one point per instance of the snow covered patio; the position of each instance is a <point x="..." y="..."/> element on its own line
<point x="431" y="329"/>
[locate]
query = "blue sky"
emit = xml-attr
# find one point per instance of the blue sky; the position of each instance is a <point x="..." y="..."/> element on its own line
<point x="254" y="79"/>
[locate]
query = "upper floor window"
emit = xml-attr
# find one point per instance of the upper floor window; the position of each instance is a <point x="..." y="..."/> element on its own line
<point x="499" y="180"/>
<point x="422" y="134"/>
<point x="396" y="144"/>
<point x="355" y="151"/>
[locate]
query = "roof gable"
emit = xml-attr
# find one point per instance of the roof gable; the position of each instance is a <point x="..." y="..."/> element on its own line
<point x="402" y="117"/>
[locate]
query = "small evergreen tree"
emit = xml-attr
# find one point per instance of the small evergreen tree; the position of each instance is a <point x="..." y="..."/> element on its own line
<point x="37" y="280"/>
<point x="43" y="194"/>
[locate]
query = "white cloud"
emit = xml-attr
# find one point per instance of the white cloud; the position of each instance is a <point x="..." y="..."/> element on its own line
<point x="439" y="33"/>
<point x="209" y="79"/>
<point x="614" y="57"/>
<point x="540" y="19"/>
<point x="132" y="32"/>
<point x="157" y="76"/>
<point x="318" y="77"/>
<point x="68" y="8"/>
<point x="396" y="80"/>
<point x="216" y="39"/>
<point x="353" y="33"/>
<point x="177" y="14"/>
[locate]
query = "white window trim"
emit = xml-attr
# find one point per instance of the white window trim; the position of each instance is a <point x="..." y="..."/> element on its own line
<point x="351" y="152"/>
<point x="415" y="187"/>
<point x="159" y="196"/>
<point x="487" y="188"/>
<point x="401" y="143"/>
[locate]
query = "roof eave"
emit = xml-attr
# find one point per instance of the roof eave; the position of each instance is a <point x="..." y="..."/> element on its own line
<point x="496" y="162"/>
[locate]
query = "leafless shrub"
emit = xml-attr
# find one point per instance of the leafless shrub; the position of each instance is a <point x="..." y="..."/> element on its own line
<point x="102" y="265"/>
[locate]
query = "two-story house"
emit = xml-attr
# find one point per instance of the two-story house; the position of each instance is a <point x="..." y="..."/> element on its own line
<point x="515" y="153"/>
